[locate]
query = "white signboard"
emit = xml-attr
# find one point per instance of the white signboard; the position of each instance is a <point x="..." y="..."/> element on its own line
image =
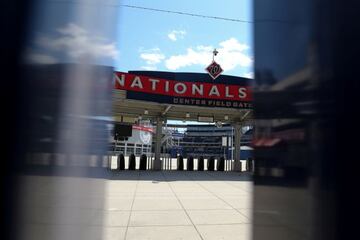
<point x="224" y="141"/>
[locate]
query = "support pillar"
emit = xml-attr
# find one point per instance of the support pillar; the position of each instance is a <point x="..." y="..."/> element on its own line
<point x="237" y="131"/>
<point x="158" y="136"/>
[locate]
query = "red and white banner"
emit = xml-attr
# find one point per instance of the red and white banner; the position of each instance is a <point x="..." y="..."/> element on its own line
<point x="131" y="82"/>
<point x="198" y="93"/>
<point x="143" y="128"/>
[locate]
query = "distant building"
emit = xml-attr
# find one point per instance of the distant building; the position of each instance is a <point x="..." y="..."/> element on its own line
<point x="209" y="140"/>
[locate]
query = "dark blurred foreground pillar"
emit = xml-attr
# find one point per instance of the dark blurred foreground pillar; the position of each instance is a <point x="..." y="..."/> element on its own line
<point x="305" y="100"/>
<point x="51" y="100"/>
<point x="13" y="21"/>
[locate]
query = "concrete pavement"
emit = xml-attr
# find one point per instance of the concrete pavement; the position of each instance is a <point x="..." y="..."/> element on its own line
<point x="138" y="205"/>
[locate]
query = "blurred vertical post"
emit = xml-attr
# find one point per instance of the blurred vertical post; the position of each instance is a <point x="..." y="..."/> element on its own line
<point x="13" y="22"/>
<point x="58" y="105"/>
<point x="306" y="87"/>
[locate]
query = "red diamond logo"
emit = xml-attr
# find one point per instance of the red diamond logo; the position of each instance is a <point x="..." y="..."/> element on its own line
<point x="214" y="70"/>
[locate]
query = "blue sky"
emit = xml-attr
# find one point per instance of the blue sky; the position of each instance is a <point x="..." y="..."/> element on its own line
<point x="152" y="40"/>
<point x="170" y="42"/>
<point x="104" y="32"/>
<point x="107" y="33"/>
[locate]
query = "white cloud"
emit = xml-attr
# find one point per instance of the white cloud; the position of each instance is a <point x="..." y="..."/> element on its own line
<point x="249" y="75"/>
<point x="175" y="34"/>
<point x="152" y="57"/>
<point x="231" y="55"/>
<point x="79" y="43"/>
<point x="150" y="50"/>
<point x="37" y="58"/>
<point x="233" y="45"/>
<point x="192" y="57"/>
<point x="172" y="36"/>
<point x="149" y="68"/>
<point x="72" y="29"/>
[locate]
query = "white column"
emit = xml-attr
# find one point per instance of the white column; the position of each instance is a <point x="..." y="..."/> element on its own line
<point x="157" y="162"/>
<point x="237" y="163"/>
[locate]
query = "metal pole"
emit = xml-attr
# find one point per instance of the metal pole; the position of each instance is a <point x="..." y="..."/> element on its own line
<point x="232" y="147"/>
<point x="157" y="162"/>
<point x="227" y="151"/>
<point x="237" y="163"/>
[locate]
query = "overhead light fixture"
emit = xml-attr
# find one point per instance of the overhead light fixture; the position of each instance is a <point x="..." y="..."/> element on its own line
<point x="187" y="115"/>
<point x="146" y="112"/>
<point x="128" y="119"/>
<point x="140" y="117"/>
<point x="205" y="119"/>
<point x="226" y="117"/>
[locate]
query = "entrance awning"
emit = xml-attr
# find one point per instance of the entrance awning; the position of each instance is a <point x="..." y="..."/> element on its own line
<point x="181" y="96"/>
<point x="134" y="108"/>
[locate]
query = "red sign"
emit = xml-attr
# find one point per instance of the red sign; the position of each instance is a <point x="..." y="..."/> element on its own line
<point x="214" y="70"/>
<point x="201" y="90"/>
<point x="142" y="128"/>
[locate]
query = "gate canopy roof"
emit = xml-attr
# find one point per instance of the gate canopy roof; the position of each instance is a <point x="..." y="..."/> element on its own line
<point x="148" y="107"/>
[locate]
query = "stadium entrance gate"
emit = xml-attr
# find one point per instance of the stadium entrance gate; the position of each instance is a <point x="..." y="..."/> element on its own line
<point x="162" y="96"/>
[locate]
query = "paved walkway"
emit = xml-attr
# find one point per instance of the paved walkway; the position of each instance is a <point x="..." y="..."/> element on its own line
<point x="138" y="205"/>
